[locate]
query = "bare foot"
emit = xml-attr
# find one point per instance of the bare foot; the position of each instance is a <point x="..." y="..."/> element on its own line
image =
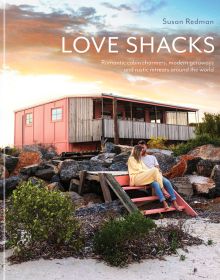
<point x="166" y="194"/>
<point x="176" y="206"/>
<point x="165" y="205"/>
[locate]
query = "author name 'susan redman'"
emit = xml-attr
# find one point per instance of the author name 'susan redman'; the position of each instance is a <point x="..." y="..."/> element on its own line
<point x="188" y="21"/>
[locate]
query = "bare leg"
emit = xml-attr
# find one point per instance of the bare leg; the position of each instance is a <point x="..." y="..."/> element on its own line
<point x="165" y="205"/>
<point x="176" y="205"/>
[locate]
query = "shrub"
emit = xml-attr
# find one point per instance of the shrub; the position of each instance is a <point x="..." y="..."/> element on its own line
<point x="11" y="151"/>
<point x="210" y="125"/>
<point x="36" y="215"/>
<point x="110" y="242"/>
<point x="199" y="140"/>
<point x="157" y="143"/>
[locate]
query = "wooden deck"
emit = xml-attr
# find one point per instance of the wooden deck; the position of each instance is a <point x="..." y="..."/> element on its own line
<point x="135" y="130"/>
<point x="143" y="130"/>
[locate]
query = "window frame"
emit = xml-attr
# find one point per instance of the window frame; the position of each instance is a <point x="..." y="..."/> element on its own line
<point x="56" y="108"/>
<point x="27" y="120"/>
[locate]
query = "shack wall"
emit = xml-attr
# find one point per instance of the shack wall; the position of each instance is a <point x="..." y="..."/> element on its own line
<point x="43" y="130"/>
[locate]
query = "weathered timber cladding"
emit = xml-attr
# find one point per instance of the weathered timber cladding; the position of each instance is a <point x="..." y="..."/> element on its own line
<point x="142" y="130"/>
<point x="96" y="130"/>
<point x="82" y="127"/>
<point x="80" y="119"/>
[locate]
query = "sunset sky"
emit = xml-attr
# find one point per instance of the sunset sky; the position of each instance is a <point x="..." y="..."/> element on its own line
<point x="36" y="69"/>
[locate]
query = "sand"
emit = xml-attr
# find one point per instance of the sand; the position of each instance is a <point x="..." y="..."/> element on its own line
<point x="201" y="262"/>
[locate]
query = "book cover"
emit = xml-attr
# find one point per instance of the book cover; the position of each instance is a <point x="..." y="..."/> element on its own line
<point x="109" y="112"/>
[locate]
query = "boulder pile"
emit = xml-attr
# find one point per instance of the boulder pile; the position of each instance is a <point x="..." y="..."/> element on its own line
<point x="198" y="172"/>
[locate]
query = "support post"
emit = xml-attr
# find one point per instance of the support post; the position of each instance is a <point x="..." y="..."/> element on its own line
<point x="102" y="120"/>
<point x="132" y="130"/>
<point x="82" y="178"/>
<point x="115" y="119"/>
<point x="155" y="111"/>
<point x="121" y="194"/>
<point x="178" y="129"/>
<point x="188" y="125"/>
<point x="105" y="188"/>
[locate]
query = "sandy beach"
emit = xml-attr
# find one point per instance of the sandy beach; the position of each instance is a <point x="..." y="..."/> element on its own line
<point x="201" y="262"/>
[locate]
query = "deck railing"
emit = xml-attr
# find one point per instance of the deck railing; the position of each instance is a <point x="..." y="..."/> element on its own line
<point x="141" y="130"/>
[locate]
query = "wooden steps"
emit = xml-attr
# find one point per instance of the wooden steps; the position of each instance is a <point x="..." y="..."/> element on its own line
<point x="123" y="182"/>
<point x="129" y="188"/>
<point x="145" y="198"/>
<point x="159" y="210"/>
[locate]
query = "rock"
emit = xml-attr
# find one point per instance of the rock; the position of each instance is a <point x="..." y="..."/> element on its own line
<point x="160" y="151"/>
<point x="166" y="162"/>
<point x="37" y="181"/>
<point x="215" y="175"/>
<point x="119" y="162"/>
<point x="205" y="167"/>
<point x="47" y="151"/>
<point x="56" y="186"/>
<point x="77" y="200"/>
<point x="98" y="208"/>
<point x="26" y="159"/>
<point x="84" y="165"/>
<point x="118" y="166"/>
<point x="68" y="169"/>
<point x="10" y="162"/>
<point x="3" y="172"/>
<point x="125" y="149"/>
<point x="192" y="165"/>
<point x="104" y="159"/>
<point x="183" y="185"/>
<point x="10" y="184"/>
<point x="206" y="152"/>
<point x="201" y="184"/>
<point x="91" y="198"/>
<point x="46" y="171"/>
<point x="2" y="158"/>
<point x="112" y="148"/>
<point x="49" y="154"/>
<point x="74" y="185"/>
<point x="122" y="157"/>
<point x="98" y="167"/>
<point x="55" y="178"/>
<point x="180" y="168"/>
<point x="56" y="162"/>
<point x="29" y="170"/>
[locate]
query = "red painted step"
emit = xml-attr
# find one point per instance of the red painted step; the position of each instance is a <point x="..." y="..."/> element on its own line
<point x="128" y="188"/>
<point x="159" y="210"/>
<point x="145" y="198"/>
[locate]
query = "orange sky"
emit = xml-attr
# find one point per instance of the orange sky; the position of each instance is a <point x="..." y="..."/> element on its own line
<point x="37" y="70"/>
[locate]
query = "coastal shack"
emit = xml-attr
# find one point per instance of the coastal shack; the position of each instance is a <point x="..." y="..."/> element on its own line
<point x="81" y="123"/>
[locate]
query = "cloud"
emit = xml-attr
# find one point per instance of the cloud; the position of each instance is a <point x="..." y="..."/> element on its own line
<point x="34" y="45"/>
<point x="117" y="8"/>
<point x="149" y="7"/>
<point x="87" y="11"/>
<point x="26" y="27"/>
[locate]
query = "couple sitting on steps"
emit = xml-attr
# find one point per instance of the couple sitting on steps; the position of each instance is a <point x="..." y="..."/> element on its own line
<point x="144" y="170"/>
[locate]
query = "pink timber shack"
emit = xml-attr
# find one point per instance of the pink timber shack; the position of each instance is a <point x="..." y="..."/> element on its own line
<point x="81" y="123"/>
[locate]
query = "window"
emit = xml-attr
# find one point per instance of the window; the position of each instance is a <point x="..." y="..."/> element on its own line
<point x="57" y="114"/>
<point x="29" y="118"/>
